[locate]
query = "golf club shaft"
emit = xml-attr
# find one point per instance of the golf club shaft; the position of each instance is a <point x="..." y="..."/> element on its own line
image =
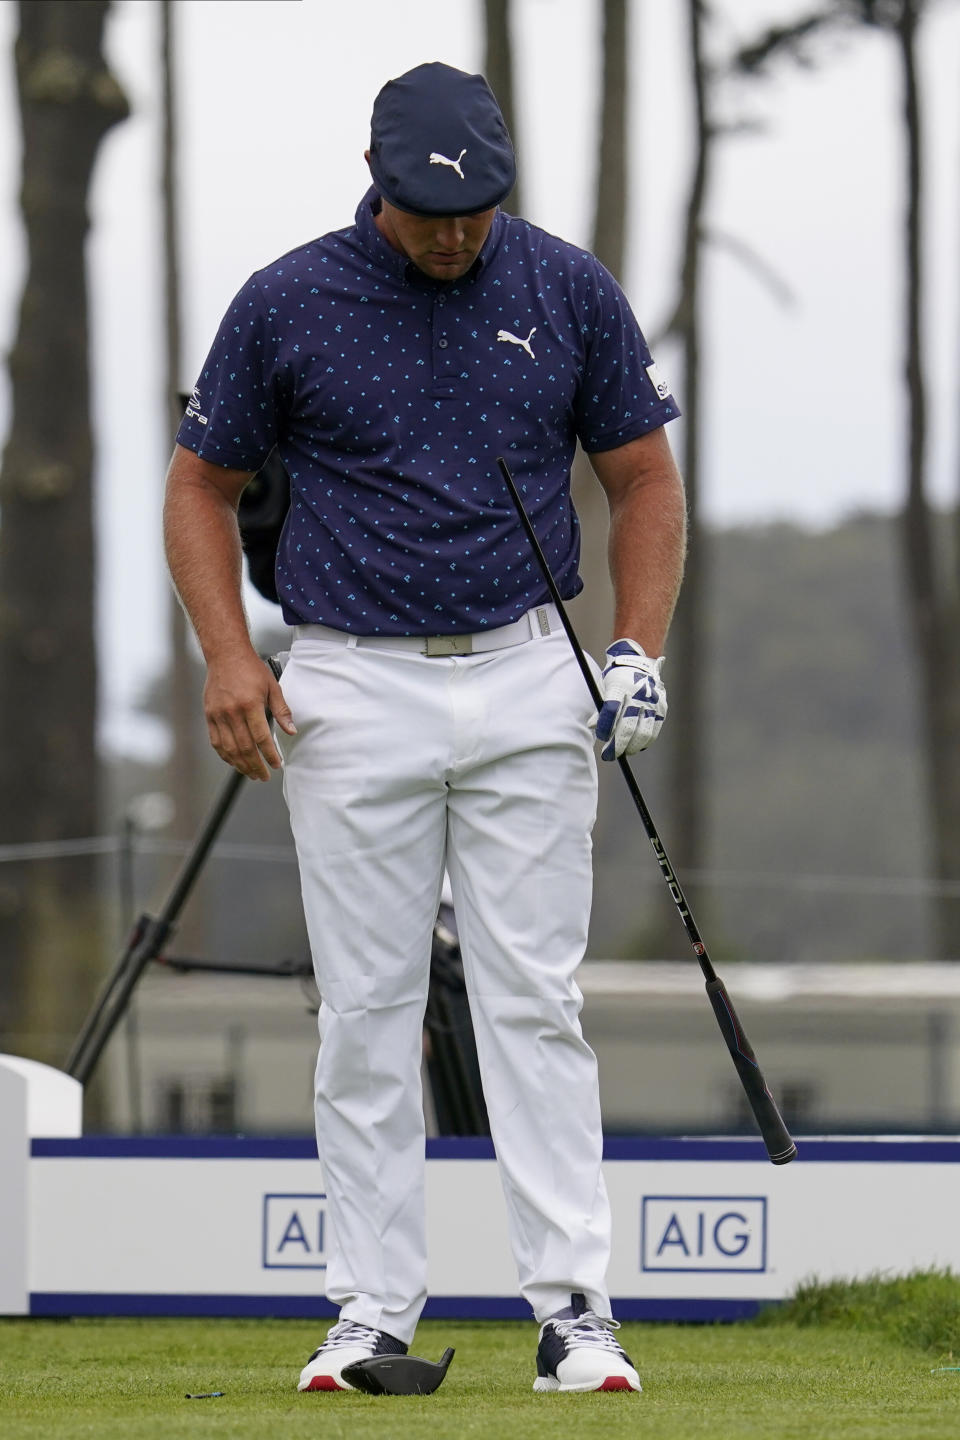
<point x="776" y="1137"/>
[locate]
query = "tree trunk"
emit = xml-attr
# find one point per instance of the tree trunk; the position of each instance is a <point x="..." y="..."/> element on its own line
<point x="685" y="674"/>
<point x="185" y="780"/>
<point x="594" y="610"/>
<point x="498" y="68"/>
<point x="610" y="221"/>
<point x="50" y="937"/>
<point x="932" y="598"/>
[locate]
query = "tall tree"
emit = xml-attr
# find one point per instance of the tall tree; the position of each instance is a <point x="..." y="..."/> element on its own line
<point x="498" y="67"/>
<point x="185" y="771"/>
<point x="685" y="674"/>
<point x="687" y="669"/>
<point x="594" y="611"/>
<point x="932" y="581"/>
<point x="931" y="576"/>
<point x="610" y="217"/>
<point x="49" y="932"/>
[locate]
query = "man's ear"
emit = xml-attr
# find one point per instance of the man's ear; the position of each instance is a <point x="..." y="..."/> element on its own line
<point x="366" y="156"/>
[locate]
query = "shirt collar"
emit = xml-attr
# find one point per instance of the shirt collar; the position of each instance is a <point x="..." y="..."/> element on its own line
<point x="398" y="265"/>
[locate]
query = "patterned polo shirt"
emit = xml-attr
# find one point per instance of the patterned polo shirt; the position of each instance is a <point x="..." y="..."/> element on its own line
<point x="389" y="397"/>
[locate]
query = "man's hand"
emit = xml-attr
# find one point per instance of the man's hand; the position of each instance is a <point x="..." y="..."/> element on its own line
<point x="634" y="701"/>
<point x="236" y="697"/>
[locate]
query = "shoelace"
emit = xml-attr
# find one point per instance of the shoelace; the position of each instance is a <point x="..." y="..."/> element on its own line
<point x="588" y="1329"/>
<point x="349" y="1332"/>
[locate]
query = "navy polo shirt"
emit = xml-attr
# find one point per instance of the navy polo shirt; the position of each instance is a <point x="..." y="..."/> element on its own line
<point x="389" y="397"/>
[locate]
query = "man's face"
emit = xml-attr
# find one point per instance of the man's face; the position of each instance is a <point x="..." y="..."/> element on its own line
<point x="442" y="246"/>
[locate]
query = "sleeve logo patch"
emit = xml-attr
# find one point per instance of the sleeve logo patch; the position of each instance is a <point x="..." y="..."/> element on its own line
<point x="193" y="408"/>
<point x="661" y="386"/>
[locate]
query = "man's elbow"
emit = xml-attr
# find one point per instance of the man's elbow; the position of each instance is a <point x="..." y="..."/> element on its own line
<point x="189" y="475"/>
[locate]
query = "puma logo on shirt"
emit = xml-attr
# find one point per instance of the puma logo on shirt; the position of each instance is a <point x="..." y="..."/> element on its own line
<point x="515" y="340"/>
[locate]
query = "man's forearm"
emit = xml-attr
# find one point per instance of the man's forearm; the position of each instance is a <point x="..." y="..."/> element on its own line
<point x="646" y="550"/>
<point x="203" y="550"/>
<point x="648" y="536"/>
<point x="202" y="541"/>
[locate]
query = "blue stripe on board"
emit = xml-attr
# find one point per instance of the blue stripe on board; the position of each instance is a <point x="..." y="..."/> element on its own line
<point x="178" y="1147"/>
<point x="839" y="1149"/>
<point x="305" y="1307"/>
<point x="294" y="1307"/>
<point x="899" y="1150"/>
<point x="229" y="1147"/>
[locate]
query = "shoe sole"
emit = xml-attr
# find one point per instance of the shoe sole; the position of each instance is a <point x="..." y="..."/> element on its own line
<point x="324" y="1382"/>
<point x="545" y="1384"/>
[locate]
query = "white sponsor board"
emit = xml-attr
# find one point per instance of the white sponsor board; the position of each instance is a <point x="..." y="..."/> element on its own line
<point x="168" y="1225"/>
<point x="702" y="1229"/>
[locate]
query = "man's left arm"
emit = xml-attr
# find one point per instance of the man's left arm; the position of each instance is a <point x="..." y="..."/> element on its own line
<point x="648" y="531"/>
<point x="646" y="550"/>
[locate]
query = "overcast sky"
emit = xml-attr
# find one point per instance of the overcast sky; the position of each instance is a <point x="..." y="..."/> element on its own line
<point x="804" y="407"/>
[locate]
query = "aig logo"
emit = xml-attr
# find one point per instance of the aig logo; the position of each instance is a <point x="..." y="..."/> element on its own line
<point x="703" y="1233"/>
<point x="294" y="1232"/>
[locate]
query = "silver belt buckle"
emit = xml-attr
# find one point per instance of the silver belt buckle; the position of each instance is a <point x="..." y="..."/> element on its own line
<point x="449" y="645"/>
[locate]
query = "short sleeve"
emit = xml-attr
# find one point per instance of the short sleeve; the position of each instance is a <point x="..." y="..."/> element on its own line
<point x="621" y="394"/>
<point x="231" y="418"/>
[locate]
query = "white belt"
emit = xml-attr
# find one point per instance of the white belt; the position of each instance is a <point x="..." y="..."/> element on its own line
<point x="535" y="625"/>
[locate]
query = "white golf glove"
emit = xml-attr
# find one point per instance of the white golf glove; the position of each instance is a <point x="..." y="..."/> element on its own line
<point x="634" y="701"/>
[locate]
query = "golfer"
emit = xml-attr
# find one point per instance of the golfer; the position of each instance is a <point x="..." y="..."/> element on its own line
<point x="431" y="714"/>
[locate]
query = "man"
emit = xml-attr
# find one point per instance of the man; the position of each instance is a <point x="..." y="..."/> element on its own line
<point x="431" y="714"/>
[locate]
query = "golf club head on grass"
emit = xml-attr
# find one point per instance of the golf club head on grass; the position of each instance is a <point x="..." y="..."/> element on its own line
<point x="397" y="1374"/>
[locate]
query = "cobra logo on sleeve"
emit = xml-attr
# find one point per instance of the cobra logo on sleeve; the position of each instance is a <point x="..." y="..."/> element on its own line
<point x="659" y="384"/>
<point x="193" y="407"/>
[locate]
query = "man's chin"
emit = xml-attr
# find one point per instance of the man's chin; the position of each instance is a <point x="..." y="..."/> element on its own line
<point x="453" y="269"/>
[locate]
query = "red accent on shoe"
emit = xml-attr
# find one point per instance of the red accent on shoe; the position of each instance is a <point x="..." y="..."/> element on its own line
<point x="324" y="1382"/>
<point x="615" y="1382"/>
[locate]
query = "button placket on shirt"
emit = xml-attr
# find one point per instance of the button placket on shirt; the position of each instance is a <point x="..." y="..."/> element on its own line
<point x="444" y="365"/>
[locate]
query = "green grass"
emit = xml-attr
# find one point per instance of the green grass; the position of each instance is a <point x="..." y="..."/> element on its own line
<point x="858" y="1361"/>
<point x="922" y="1309"/>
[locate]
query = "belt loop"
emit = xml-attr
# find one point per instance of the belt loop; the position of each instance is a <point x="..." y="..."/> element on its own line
<point x="351" y="642"/>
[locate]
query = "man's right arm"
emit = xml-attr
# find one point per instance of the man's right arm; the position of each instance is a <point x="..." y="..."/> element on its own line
<point x="203" y="549"/>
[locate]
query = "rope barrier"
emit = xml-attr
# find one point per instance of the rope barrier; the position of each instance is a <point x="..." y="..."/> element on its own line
<point x="885" y="885"/>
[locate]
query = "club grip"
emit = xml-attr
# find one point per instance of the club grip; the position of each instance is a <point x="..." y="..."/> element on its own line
<point x="776" y="1136"/>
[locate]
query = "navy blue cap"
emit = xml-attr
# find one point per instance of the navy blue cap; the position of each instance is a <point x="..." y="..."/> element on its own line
<point x="438" y="143"/>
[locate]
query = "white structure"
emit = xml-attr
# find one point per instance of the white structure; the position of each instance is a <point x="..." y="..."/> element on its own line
<point x="703" y="1228"/>
<point x="854" y="1048"/>
<point x="35" y="1101"/>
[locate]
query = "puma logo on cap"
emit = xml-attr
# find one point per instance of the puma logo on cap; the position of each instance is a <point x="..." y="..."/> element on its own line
<point x="437" y="159"/>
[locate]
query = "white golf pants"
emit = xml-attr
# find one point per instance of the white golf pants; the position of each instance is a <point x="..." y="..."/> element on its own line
<point x="403" y="764"/>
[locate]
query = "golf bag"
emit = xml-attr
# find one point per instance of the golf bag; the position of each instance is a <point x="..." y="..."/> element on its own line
<point x="262" y="510"/>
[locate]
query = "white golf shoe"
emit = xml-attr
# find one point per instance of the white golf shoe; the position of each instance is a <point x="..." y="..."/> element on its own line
<point x="346" y="1342"/>
<point x="578" y="1351"/>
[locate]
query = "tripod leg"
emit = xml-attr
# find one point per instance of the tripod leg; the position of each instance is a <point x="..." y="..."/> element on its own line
<point x="146" y="941"/>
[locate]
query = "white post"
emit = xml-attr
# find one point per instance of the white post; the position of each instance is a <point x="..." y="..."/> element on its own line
<point x="14" y="1154"/>
<point x="35" y="1100"/>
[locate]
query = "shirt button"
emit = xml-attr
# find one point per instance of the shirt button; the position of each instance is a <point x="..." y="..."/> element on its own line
<point x="443" y="344"/>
